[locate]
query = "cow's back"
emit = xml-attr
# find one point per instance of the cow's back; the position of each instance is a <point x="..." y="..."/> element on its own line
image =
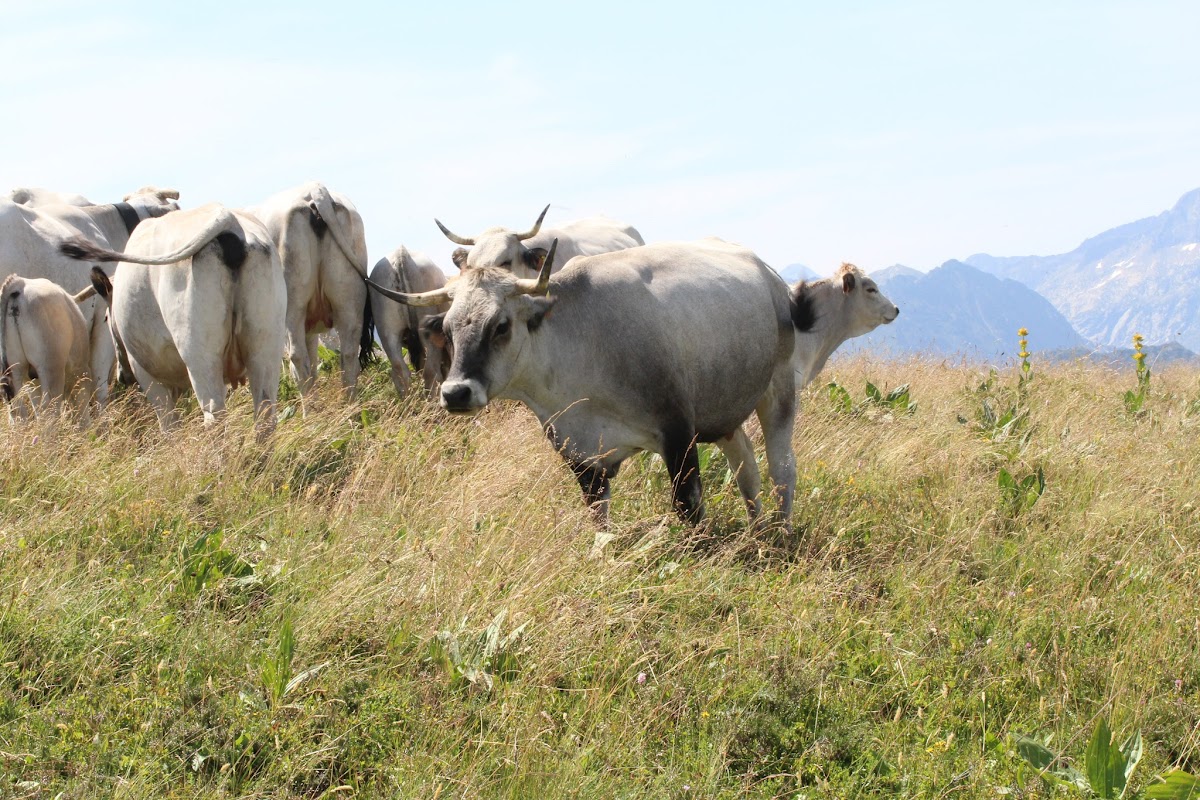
<point x="699" y="326"/>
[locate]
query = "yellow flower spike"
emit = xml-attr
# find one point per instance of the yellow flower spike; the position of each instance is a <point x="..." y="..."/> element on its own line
<point x="1023" y="332"/>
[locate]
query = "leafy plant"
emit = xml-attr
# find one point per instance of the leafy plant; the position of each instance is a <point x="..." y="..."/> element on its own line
<point x="480" y="658"/>
<point x="206" y="562"/>
<point x="1021" y="495"/>
<point x="1107" y="768"/>
<point x="897" y="400"/>
<point x="275" y="669"/>
<point x="1135" y="399"/>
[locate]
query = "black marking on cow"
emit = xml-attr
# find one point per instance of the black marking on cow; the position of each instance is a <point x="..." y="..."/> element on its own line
<point x="533" y="257"/>
<point x="416" y="348"/>
<point x="128" y="215"/>
<point x="545" y="305"/>
<point x="102" y="284"/>
<point x="803" y="307"/>
<point x="233" y="249"/>
<point x="366" y="339"/>
<point x="318" y="223"/>
<point x="683" y="464"/>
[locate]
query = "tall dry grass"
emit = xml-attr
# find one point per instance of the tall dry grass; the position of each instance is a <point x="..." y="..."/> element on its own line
<point x="885" y="646"/>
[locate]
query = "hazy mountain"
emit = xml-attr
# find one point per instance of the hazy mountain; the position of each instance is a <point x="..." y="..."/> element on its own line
<point x="798" y="272"/>
<point x="957" y="309"/>
<point x="1142" y="277"/>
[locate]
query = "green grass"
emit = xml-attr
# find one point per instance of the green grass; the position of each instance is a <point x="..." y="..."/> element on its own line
<point x="384" y="601"/>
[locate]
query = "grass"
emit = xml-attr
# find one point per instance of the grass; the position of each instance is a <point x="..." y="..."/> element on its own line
<point x="388" y="602"/>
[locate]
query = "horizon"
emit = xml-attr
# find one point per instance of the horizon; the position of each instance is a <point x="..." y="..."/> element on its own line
<point x="874" y="135"/>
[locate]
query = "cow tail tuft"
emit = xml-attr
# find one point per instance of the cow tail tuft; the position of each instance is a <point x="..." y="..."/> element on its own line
<point x="366" y="341"/>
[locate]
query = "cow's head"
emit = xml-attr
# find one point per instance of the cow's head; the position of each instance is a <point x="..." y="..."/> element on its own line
<point x="150" y="201"/>
<point x="866" y="308"/>
<point x="500" y="248"/>
<point x="491" y="318"/>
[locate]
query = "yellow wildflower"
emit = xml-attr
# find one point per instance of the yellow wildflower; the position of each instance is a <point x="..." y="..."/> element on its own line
<point x="1023" y="332"/>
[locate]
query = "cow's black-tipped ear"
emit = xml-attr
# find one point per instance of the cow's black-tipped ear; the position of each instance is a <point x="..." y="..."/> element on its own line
<point x="534" y="257"/>
<point x="459" y="257"/>
<point x="537" y="310"/>
<point x="102" y="284"/>
<point x="432" y="331"/>
<point x="848" y="282"/>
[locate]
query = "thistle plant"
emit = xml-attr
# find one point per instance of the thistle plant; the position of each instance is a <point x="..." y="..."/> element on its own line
<point x="1135" y="399"/>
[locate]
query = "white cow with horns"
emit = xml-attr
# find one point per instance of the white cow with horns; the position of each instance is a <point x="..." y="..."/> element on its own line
<point x="29" y="240"/>
<point x="522" y="253"/>
<point x="319" y="234"/>
<point x="633" y="351"/>
<point x="197" y="302"/>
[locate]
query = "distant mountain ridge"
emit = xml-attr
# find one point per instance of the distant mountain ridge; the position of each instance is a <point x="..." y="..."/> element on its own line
<point x="1141" y="277"/>
<point x="959" y="309"/>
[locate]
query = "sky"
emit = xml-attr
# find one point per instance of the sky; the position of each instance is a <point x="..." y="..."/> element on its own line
<point x="870" y="132"/>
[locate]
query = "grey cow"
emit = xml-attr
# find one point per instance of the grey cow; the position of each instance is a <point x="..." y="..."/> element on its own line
<point x="633" y="351"/>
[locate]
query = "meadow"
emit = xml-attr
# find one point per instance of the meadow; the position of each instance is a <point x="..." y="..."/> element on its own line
<point x="385" y="601"/>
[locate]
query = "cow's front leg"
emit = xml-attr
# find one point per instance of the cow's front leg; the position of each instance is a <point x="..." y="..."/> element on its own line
<point x="594" y="481"/>
<point x="683" y="465"/>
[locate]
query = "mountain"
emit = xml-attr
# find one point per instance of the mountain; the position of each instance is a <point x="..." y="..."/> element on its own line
<point x="1142" y="277"/>
<point x="957" y="309"/>
<point x="798" y="272"/>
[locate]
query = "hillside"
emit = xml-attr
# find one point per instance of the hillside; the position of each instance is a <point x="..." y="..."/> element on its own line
<point x="1142" y="277"/>
<point x="386" y="602"/>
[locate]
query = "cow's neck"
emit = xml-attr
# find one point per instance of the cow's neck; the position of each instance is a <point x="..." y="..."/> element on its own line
<point x="814" y="347"/>
<point x="116" y="221"/>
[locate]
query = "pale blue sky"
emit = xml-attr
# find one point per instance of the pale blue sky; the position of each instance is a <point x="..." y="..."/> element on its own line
<point x="814" y="132"/>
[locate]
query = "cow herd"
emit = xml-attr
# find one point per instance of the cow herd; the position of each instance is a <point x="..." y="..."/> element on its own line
<point x="617" y="346"/>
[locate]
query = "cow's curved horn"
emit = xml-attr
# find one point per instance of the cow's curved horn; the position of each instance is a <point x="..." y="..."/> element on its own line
<point x="537" y="226"/>
<point x="529" y="285"/>
<point x="454" y="237"/>
<point x="433" y="298"/>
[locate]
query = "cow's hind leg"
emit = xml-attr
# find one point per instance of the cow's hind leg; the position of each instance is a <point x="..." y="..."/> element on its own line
<point x="683" y="465"/>
<point x="740" y="454"/>
<point x="348" y="320"/>
<point x="777" y="414"/>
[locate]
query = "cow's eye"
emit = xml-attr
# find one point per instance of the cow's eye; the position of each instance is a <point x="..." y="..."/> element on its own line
<point x="502" y="329"/>
<point x="506" y="264"/>
<point x="872" y="290"/>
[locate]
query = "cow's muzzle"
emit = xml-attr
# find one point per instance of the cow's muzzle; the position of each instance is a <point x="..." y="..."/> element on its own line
<point x="463" y="397"/>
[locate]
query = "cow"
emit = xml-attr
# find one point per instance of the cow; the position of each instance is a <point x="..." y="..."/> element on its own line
<point x="34" y="197"/>
<point x="319" y="235"/>
<point x="399" y="327"/>
<point x="44" y="335"/>
<point x="522" y="253"/>
<point x="198" y="302"/>
<point x="29" y="238"/>
<point x="830" y="311"/>
<point x="655" y="348"/>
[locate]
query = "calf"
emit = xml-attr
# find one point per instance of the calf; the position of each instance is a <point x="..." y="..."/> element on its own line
<point x="44" y="335"/>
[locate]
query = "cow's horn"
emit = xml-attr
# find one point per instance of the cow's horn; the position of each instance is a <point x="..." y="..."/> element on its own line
<point x="537" y="226"/>
<point x="530" y="286"/>
<point x="433" y="298"/>
<point x="454" y="237"/>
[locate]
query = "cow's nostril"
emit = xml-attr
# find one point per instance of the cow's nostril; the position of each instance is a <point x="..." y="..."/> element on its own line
<point x="457" y="396"/>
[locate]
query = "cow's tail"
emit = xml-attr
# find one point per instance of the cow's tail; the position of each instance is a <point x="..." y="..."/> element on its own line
<point x="321" y="205"/>
<point x="9" y="293"/>
<point x="81" y="249"/>
<point x="410" y="338"/>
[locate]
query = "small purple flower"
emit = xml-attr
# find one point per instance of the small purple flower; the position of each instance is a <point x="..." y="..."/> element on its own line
<point x="1179" y="685"/>
<point x="641" y="678"/>
<point x="35" y="439"/>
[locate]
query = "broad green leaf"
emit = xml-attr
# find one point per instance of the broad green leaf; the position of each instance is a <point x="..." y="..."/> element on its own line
<point x="1006" y="482"/>
<point x="1033" y="751"/>
<point x="1131" y="749"/>
<point x="1176" y="785"/>
<point x="1099" y="762"/>
<point x="873" y="393"/>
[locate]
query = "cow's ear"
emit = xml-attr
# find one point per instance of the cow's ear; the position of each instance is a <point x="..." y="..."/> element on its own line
<point x="534" y="258"/>
<point x="848" y="282"/>
<point x="102" y="284"/>
<point x="535" y="310"/>
<point x="459" y="257"/>
<point x="432" y="332"/>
